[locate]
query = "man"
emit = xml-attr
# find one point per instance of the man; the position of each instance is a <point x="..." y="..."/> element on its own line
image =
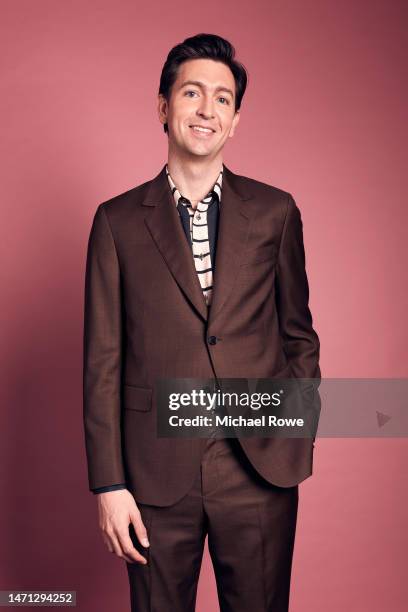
<point x="198" y="273"/>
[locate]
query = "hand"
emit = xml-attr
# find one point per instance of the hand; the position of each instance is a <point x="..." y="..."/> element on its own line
<point x="116" y="510"/>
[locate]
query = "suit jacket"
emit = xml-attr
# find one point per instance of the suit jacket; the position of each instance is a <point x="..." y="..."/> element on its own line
<point x="145" y="318"/>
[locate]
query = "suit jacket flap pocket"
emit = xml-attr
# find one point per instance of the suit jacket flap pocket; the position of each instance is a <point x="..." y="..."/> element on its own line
<point x="137" y="398"/>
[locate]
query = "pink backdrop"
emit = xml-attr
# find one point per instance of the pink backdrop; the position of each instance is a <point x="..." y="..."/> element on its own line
<point x="324" y="118"/>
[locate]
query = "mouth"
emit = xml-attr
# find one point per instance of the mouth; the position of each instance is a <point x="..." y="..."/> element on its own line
<point x="201" y="131"/>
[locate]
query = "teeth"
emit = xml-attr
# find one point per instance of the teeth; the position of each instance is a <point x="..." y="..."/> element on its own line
<point x="200" y="129"/>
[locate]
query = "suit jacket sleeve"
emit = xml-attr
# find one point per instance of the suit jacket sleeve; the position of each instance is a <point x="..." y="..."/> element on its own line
<point x="300" y="341"/>
<point x="102" y="357"/>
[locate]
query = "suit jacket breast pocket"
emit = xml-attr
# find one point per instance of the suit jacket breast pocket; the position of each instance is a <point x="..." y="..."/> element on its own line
<point x="137" y="398"/>
<point x="259" y="255"/>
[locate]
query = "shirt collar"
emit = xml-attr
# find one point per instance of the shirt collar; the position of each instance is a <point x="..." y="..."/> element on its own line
<point x="215" y="188"/>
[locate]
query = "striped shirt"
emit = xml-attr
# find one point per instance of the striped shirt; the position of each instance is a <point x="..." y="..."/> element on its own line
<point x="200" y="227"/>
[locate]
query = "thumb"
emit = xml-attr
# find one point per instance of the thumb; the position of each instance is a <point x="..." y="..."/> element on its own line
<point x="140" y="529"/>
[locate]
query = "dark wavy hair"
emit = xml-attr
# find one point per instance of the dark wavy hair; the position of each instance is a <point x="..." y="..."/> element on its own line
<point x="203" y="46"/>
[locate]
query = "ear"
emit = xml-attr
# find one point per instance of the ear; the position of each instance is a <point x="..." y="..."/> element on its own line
<point x="235" y="122"/>
<point x="162" y="108"/>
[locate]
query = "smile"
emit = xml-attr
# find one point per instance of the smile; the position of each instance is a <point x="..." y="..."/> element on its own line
<point x="201" y="132"/>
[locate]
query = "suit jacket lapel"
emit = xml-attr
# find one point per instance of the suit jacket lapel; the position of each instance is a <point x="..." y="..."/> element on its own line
<point x="163" y="223"/>
<point x="234" y="226"/>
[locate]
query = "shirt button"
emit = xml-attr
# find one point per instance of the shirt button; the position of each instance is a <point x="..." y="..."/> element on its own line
<point x="212" y="340"/>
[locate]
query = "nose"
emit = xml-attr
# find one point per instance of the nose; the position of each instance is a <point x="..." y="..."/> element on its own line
<point x="205" y="109"/>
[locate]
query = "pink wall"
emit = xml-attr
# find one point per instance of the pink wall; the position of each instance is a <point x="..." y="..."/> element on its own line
<point x="324" y="119"/>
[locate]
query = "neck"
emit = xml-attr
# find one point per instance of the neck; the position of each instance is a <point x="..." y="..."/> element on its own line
<point x="194" y="177"/>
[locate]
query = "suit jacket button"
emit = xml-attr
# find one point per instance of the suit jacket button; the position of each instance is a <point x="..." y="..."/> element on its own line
<point x="212" y="340"/>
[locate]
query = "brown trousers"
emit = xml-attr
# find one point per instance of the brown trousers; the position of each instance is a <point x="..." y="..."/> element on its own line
<point x="250" y="525"/>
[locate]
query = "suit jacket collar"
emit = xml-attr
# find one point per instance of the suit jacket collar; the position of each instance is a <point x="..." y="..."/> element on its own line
<point x="163" y="223"/>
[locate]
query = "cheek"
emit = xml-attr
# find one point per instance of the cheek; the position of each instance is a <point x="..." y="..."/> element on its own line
<point x="184" y="107"/>
<point x="226" y="120"/>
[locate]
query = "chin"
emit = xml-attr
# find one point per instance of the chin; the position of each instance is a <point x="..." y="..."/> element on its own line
<point x="198" y="149"/>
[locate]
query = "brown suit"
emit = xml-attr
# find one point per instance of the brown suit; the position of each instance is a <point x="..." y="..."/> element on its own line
<point x="146" y="318"/>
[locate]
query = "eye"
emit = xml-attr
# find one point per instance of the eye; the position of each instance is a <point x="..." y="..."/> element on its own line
<point x="189" y="91"/>
<point x="226" y="99"/>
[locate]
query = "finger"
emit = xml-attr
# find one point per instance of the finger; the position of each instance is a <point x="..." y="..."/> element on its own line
<point x="107" y="542"/>
<point x="117" y="549"/>
<point x="128" y="549"/>
<point x="140" y="530"/>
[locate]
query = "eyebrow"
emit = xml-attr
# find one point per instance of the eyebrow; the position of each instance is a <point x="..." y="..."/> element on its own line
<point x="203" y="86"/>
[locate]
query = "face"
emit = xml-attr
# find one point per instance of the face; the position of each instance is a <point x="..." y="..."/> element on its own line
<point x="203" y="95"/>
